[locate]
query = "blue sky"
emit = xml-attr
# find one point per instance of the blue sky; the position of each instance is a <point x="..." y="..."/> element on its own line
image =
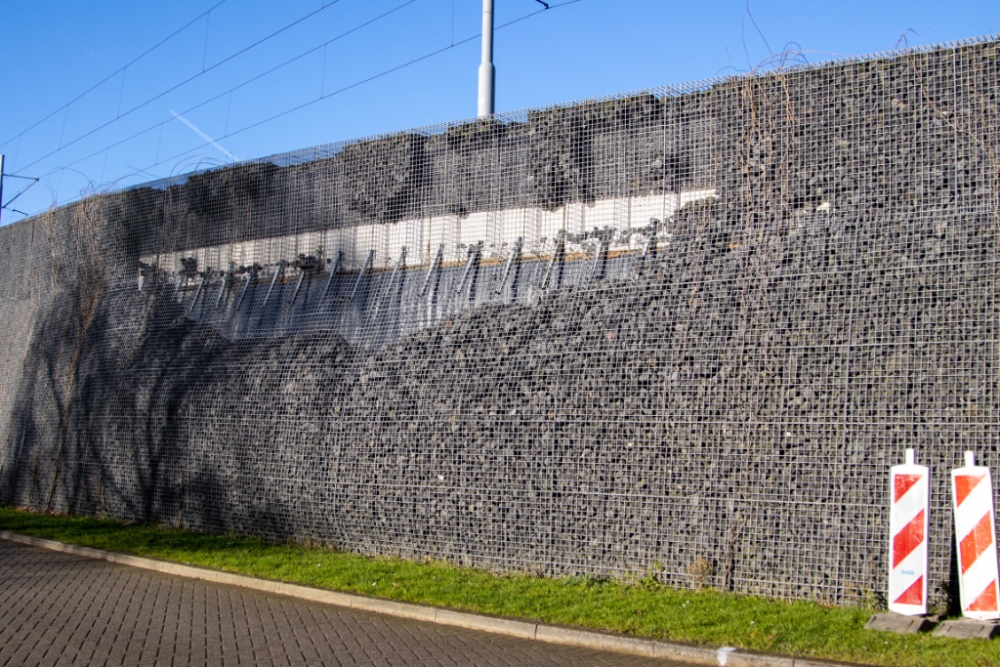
<point x="130" y="129"/>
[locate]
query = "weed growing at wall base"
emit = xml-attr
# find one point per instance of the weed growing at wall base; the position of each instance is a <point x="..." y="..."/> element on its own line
<point x="642" y="608"/>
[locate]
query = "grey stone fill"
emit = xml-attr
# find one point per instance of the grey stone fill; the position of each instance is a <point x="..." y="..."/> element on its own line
<point x="725" y="416"/>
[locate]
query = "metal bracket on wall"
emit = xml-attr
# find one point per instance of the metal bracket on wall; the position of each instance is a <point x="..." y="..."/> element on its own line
<point x="554" y="271"/>
<point x="432" y="284"/>
<point x="432" y="269"/>
<point x="333" y="272"/>
<point x="388" y="289"/>
<point x="201" y="286"/>
<point x="251" y="276"/>
<point x="189" y="269"/>
<point x="280" y="271"/>
<point x="361" y="276"/>
<point x="226" y="280"/>
<point x="471" y="270"/>
<point x="298" y="286"/>
<point x="400" y="266"/>
<point x="600" y="261"/>
<point x="514" y="259"/>
<point x="396" y="281"/>
<point x="307" y="265"/>
<point x="648" y="252"/>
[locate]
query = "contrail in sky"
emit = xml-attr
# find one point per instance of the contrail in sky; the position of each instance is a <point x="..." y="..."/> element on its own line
<point x="203" y="135"/>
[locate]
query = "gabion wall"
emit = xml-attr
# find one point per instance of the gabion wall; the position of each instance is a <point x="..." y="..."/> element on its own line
<point x="682" y="332"/>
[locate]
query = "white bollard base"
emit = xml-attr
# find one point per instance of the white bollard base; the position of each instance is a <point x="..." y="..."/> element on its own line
<point x="900" y="624"/>
<point x="968" y="629"/>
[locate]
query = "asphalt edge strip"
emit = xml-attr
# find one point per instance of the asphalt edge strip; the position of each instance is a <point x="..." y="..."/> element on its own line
<point x="552" y="634"/>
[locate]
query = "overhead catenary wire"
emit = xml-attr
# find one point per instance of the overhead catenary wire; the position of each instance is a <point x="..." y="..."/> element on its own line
<point x="20" y="192"/>
<point x="118" y="71"/>
<point x="160" y="95"/>
<point x="242" y="84"/>
<point x="355" y="85"/>
<point x="299" y="107"/>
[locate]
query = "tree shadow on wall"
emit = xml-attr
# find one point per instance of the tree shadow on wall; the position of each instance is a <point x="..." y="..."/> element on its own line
<point x="116" y="441"/>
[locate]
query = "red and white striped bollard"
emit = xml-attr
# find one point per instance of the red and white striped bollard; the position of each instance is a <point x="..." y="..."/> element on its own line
<point x="909" y="488"/>
<point x="975" y="535"/>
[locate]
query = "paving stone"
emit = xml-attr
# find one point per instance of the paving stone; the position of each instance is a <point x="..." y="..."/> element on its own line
<point x="69" y="609"/>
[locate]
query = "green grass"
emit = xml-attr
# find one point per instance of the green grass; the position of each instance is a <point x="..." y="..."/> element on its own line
<point x="642" y="608"/>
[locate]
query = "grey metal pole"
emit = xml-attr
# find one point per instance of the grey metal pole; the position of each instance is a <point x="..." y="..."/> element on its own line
<point x="487" y="73"/>
<point x="1" y="186"/>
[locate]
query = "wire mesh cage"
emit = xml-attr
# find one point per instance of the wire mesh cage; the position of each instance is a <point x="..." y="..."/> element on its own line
<point x="681" y="332"/>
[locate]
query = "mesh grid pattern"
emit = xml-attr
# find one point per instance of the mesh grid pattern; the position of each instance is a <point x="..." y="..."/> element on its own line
<point x="683" y="331"/>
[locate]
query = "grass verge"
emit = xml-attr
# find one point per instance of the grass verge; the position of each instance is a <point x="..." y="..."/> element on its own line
<point x="643" y="608"/>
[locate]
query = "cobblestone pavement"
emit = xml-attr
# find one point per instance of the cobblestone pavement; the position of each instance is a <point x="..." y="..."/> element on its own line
<point x="59" y="609"/>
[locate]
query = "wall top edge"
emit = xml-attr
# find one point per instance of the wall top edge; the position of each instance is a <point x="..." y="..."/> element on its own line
<point x="325" y="151"/>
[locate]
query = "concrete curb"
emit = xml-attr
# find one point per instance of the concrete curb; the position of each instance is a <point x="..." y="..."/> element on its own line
<point x="513" y="628"/>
